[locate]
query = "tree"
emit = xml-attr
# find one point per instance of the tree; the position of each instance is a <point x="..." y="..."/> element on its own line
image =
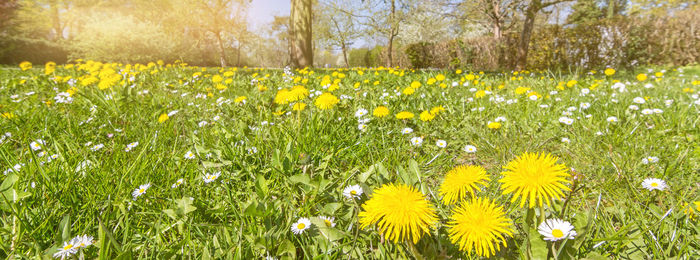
<point x="301" y="33"/>
<point x="220" y="18"/>
<point x="532" y="8"/>
<point x="336" y="29"/>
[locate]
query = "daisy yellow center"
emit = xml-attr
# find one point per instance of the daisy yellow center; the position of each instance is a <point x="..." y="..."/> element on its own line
<point x="301" y="226"/>
<point x="328" y="222"/>
<point x="212" y="177"/>
<point x="68" y="247"/>
<point x="142" y="190"/>
<point x="352" y="192"/>
<point x="654" y="184"/>
<point x="557" y="233"/>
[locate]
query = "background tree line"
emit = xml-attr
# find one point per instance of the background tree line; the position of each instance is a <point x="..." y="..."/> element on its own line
<point x="478" y="34"/>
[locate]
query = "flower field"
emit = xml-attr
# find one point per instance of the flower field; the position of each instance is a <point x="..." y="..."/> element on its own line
<point x="161" y="161"/>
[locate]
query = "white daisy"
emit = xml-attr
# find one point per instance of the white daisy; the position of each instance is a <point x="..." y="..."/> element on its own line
<point x="177" y="183"/>
<point x="650" y="159"/>
<point x="360" y="112"/>
<point x="556" y="229"/>
<point x="654" y="184"/>
<point x="140" y="190"/>
<point x="612" y="119"/>
<point x="189" y="155"/>
<point x="500" y="119"/>
<point x="69" y="248"/>
<point x="83" y="241"/>
<point x="362" y="127"/>
<point x="210" y="177"/>
<point x="566" y="120"/>
<point x="639" y="100"/>
<point x="441" y="143"/>
<point x="416" y="141"/>
<point x="97" y="147"/>
<point x="633" y="107"/>
<point x="407" y="130"/>
<point x="301" y="225"/>
<point x="565" y="140"/>
<point x="352" y="191"/>
<point x="647" y="111"/>
<point x="36" y="145"/>
<point x="470" y="149"/>
<point x="329" y="221"/>
<point x="203" y="124"/>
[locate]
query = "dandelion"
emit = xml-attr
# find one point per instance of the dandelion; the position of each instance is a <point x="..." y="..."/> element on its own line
<point x="326" y="101"/>
<point x="493" y="125"/>
<point x="163" y="117"/>
<point x="470" y="149"/>
<point x="480" y="225"/>
<point x="177" y="183"/>
<point x="460" y="181"/>
<point x="329" y="221"/>
<point x="404" y="115"/>
<point x="301" y="225"/>
<point x="654" y="184"/>
<point x="556" y="229"/>
<point x="641" y="77"/>
<point x="140" y="190"/>
<point x="536" y="178"/>
<point x="352" y="191"/>
<point x="380" y="111"/>
<point x="417" y="141"/>
<point x="691" y="209"/>
<point x="189" y="155"/>
<point x="609" y="71"/>
<point x="399" y="211"/>
<point x="441" y="143"/>
<point x="210" y="177"/>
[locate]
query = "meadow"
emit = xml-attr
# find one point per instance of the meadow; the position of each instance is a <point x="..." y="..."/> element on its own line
<point x="162" y="161"/>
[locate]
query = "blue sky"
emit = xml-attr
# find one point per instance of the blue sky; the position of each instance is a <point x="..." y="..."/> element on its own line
<point x="263" y="11"/>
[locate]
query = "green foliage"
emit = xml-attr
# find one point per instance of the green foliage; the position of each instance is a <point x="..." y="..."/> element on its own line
<point x="119" y="38"/>
<point x="419" y="54"/>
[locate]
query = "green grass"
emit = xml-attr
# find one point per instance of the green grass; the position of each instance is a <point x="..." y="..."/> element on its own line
<point x="305" y="159"/>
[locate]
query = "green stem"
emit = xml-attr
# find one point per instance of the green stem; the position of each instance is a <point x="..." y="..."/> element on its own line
<point x="414" y="251"/>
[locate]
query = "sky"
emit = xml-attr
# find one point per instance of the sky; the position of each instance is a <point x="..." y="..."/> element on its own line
<point x="263" y="11"/>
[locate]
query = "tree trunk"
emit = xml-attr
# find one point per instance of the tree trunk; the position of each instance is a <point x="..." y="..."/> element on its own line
<point x="301" y="52"/>
<point x="611" y="8"/>
<point x="222" y="53"/>
<point x="392" y="34"/>
<point x="496" y="20"/>
<point x="344" y="48"/>
<point x="528" y="26"/>
<point x="56" y="20"/>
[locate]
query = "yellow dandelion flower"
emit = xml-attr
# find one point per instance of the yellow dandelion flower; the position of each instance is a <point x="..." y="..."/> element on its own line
<point x="326" y="101"/>
<point x="163" y="117"/>
<point x="25" y="65"/>
<point x="440" y="77"/>
<point x="436" y="110"/>
<point x="460" y="181"/>
<point x="493" y="125"/>
<point x="480" y="94"/>
<point x="536" y="178"/>
<point x="431" y="81"/>
<point x="282" y="96"/>
<point x="691" y="209"/>
<point x="426" y="116"/>
<point x="481" y="225"/>
<point x="399" y="211"/>
<point x="404" y="115"/>
<point x="240" y="99"/>
<point x="609" y="71"/>
<point x="216" y="78"/>
<point x="380" y="111"/>
<point x="415" y="84"/>
<point x="408" y="91"/>
<point x="641" y="77"/>
<point x="8" y="115"/>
